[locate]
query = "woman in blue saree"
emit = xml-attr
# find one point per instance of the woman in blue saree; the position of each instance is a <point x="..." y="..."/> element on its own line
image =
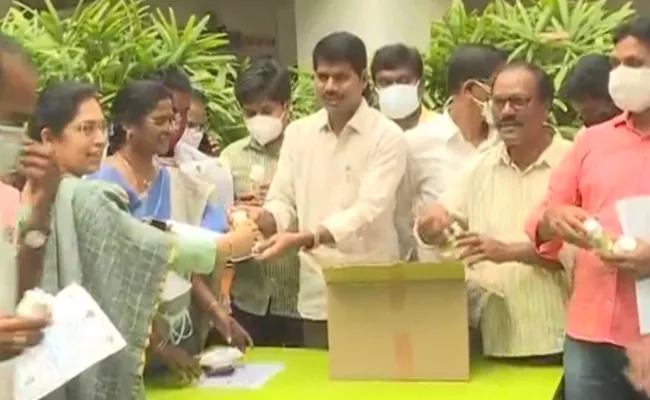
<point x="95" y="241"/>
<point x="143" y="121"/>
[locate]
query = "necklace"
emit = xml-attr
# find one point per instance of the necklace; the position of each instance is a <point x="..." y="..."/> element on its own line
<point x="141" y="185"/>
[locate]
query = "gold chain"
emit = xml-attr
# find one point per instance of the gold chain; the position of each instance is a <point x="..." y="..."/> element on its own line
<point x="143" y="184"/>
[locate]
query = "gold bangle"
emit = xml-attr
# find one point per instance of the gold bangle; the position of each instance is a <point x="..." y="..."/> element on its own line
<point x="315" y="239"/>
<point x="227" y="252"/>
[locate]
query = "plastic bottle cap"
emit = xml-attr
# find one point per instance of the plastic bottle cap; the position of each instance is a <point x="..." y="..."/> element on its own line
<point x="624" y="244"/>
<point x="592" y="227"/>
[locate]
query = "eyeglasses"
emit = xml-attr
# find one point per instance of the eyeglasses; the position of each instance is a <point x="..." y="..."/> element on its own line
<point x="517" y="103"/>
<point x="90" y="128"/>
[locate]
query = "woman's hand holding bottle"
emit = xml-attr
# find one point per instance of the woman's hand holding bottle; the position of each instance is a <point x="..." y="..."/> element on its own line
<point x="241" y="239"/>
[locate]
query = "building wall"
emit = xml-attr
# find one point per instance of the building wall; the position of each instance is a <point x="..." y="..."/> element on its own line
<point x="377" y="22"/>
<point x="270" y="26"/>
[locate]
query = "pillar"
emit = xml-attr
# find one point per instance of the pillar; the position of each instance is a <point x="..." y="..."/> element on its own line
<point x="377" y="22"/>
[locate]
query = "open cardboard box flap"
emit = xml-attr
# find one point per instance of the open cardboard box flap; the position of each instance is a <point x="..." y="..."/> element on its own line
<point x="401" y="271"/>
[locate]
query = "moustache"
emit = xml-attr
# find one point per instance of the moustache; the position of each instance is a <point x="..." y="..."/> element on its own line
<point x="508" y="122"/>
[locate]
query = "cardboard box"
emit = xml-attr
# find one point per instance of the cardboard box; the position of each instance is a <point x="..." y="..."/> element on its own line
<point x="405" y="321"/>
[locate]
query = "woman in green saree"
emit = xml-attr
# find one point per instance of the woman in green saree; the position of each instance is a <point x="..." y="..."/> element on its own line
<point x="95" y="241"/>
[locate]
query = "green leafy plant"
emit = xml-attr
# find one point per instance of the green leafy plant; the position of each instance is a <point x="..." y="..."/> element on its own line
<point x="303" y="99"/>
<point x="108" y="42"/>
<point x="551" y="33"/>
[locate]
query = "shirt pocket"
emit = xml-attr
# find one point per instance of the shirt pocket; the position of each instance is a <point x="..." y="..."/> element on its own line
<point x="350" y="184"/>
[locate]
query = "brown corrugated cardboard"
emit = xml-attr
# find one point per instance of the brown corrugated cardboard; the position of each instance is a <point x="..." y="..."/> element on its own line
<point x="405" y="321"/>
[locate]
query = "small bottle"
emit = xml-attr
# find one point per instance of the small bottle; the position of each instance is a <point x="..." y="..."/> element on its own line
<point x="35" y="304"/>
<point x="624" y="244"/>
<point x="239" y="218"/>
<point x="450" y="252"/>
<point x="597" y="235"/>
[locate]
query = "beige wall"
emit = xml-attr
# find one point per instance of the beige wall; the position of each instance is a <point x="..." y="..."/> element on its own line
<point x="391" y="21"/>
<point x="259" y="18"/>
<point x="377" y="21"/>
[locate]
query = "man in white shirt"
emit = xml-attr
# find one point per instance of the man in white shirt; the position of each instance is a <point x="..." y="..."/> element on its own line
<point x="18" y="84"/>
<point x="443" y="146"/>
<point x="336" y="178"/>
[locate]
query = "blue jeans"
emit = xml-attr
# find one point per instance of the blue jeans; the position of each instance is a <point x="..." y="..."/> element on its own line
<point x="595" y="371"/>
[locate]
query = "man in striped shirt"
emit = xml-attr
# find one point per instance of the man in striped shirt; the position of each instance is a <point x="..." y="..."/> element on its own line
<point x="518" y="298"/>
<point x="264" y="294"/>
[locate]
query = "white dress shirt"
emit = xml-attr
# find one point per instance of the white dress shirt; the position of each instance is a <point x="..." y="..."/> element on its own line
<point x="437" y="153"/>
<point x="346" y="184"/>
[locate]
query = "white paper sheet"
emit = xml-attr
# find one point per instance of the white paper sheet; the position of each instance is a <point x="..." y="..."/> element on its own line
<point x="634" y="215"/>
<point x="247" y="376"/>
<point x="80" y="336"/>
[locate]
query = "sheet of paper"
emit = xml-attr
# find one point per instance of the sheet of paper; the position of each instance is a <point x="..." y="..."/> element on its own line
<point x="80" y="336"/>
<point x="247" y="376"/>
<point x="634" y="215"/>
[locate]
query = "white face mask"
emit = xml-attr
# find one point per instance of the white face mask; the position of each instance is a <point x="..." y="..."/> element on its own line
<point x="399" y="100"/>
<point x="630" y="88"/>
<point x="485" y="106"/>
<point x="264" y="128"/>
<point x="192" y="137"/>
<point x="174" y="300"/>
<point x="11" y="145"/>
<point x="486" y="111"/>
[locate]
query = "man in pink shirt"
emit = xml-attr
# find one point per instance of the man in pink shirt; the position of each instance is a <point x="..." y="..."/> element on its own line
<point x="609" y="162"/>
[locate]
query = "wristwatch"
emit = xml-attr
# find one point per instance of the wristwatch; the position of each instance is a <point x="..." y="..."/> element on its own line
<point x="34" y="239"/>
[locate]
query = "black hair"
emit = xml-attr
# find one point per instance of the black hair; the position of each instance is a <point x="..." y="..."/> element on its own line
<point x="134" y="101"/>
<point x="394" y="56"/>
<point x="545" y="88"/>
<point x="57" y="106"/>
<point x="473" y="61"/>
<point x="173" y="78"/>
<point x="199" y="95"/>
<point x="638" y="28"/>
<point x="9" y="45"/>
<point x="588" y="79"/>
<point x="265" y="79"/>
<point x="341" y="47"/>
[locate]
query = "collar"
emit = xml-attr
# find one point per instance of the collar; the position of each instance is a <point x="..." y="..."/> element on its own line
<point x="426" y="115"/>
<point x="357" y="124"/>
<point x="550" y="157"/>
<point x="254" y="145"/>
<point x="624" y="121"/>
<point x="450" y="130"/>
